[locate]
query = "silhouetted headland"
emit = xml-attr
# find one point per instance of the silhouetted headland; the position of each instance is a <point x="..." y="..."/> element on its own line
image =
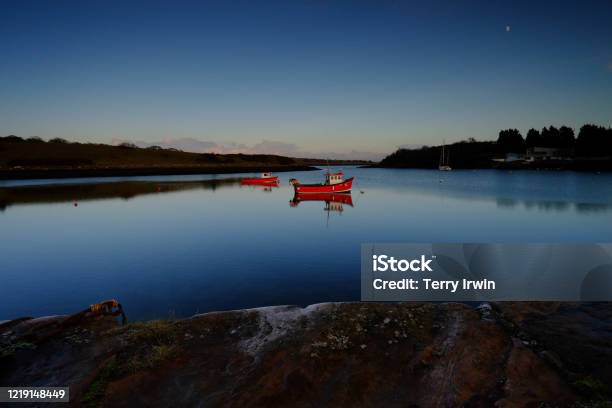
<point x="34" y="158"/>
<point x="551" y="148"/>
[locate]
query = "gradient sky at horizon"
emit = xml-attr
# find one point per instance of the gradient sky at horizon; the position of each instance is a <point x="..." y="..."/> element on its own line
<point x="312" y="76"/>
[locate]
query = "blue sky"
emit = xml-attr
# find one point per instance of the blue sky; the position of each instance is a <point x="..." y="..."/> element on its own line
<point x="315" y="77"/>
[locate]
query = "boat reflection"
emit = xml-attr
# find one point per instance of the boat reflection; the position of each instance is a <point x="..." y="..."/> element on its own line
<point x="266" y="188"/>
<point x="333" y="202"/>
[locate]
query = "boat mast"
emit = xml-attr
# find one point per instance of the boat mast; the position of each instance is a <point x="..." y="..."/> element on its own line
<point x="447" y="159"/>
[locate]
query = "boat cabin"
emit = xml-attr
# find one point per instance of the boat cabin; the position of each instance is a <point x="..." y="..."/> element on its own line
<point x="334" y="178"/>
<point x="266" y="175"/>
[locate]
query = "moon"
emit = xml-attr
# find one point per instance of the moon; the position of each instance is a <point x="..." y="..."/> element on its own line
<point x="507" y="28"/>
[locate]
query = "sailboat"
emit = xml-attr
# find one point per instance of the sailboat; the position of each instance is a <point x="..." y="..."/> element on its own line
<point x="443" y="165"/>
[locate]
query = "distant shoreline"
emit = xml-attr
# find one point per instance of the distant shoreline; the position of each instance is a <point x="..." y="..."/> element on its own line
<point x="36" y="159"/>
<point x="549" y="149"/>
<point x="55" y="173"/>
<point x="604" y="165"/>
<point x="579" y="166"/>
<point x="67" y="173"/>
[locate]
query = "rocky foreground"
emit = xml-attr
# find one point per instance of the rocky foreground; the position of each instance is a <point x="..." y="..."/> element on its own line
<point x="350" y="354"/>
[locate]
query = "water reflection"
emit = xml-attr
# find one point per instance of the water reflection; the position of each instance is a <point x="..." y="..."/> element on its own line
<point x="552" y="206"/>
<point x="266" y="188"/>
<point x="199" y="243"/>
<point x="59" y="193"/>
<point x="333" y="202"/>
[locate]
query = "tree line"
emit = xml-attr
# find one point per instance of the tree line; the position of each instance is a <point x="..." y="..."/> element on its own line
<point x="591" y="149"/>
<point x="592" y="140"/>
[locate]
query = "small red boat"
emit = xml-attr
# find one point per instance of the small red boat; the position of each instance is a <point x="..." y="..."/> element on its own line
<point x="266" y="179"/>
<point x="334" y="183"/>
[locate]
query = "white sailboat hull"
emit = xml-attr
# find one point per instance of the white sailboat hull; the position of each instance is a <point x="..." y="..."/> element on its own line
<point x="443" y="166"/>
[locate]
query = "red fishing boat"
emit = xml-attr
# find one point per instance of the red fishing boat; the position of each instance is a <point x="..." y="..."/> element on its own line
<point x="334" y="183"/>
<point x="265" y="179"/>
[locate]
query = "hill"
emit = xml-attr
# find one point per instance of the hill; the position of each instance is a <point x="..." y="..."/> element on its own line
<point x="35" y="158"/>
<point x="464" y="155"/>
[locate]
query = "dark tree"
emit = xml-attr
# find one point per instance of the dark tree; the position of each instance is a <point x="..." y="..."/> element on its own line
<point x="58" y="140"/>
<point x="594" y="140"/>
<point x="35" y="139"/>
<point x="11" y="138"/>
<point x="511" y="141"/>
<point x="550" y="137"/>
<point x="533" y="138"/>
<point x="562" y="138"/>
<point x="566" y="137"/>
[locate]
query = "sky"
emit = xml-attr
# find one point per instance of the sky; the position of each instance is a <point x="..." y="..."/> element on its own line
<point x="344" y="79"/>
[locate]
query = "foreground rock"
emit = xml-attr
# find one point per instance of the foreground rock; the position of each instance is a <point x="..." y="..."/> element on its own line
<point x="353" y="354"/>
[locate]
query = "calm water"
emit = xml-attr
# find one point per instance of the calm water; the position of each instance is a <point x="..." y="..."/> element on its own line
<point x="178" y="245"/>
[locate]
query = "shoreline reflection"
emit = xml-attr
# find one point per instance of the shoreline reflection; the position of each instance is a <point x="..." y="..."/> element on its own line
<point x="59" y="193"/>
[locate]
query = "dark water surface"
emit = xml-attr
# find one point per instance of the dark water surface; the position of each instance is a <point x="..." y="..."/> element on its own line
<point x="178" y="245"/>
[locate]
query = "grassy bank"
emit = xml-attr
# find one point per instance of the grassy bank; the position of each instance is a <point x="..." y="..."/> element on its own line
<point x="34" y="158"/>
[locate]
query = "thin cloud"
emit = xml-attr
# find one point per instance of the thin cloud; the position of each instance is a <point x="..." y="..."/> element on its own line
<point x="280" y="148"/>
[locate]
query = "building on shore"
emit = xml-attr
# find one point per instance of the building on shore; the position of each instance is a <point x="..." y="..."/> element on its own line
<point x="539" y="153"/>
